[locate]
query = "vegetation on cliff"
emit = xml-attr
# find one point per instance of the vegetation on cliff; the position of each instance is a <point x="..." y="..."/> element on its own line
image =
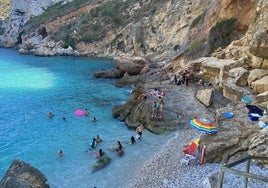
<point x="93" y="25"/>
<point x="132" y="26"/>
<point x="54" y="12"/>
<point x="220" y="34"/>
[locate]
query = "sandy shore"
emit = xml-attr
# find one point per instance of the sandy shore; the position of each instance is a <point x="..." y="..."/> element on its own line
<point x="165" y="169"/>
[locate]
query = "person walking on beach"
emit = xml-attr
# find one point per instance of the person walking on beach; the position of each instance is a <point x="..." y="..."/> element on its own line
<point x="139" y="130"/>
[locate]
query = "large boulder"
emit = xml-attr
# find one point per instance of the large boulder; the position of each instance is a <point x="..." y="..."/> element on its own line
<point x="132" y="66"/>
<point x="262" y="99"/>
<point x="205" y="96"/>
<point x="232" y="91"/>
<point x="260" y="85"/>
<point x="256" y="74"/>
<point x="23" y="175"/>
<point x="113" y="73"/>
<point x="240" y="74"/>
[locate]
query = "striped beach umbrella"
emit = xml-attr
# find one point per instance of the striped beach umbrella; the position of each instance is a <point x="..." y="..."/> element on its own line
<point x="203" y="125"/>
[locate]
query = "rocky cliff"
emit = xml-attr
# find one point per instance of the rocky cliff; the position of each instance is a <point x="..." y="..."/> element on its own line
<point x="20" y="12"/>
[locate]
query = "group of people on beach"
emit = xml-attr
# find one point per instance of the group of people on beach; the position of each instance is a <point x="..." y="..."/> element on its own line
<point x="182" y="79"/>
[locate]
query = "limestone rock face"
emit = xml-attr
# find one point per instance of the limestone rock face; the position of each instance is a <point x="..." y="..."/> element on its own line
<point x="259" y="42"/>
<point x="20" y="12"/>
<point x="23" y="175"/>
<point x="205" y="96"/>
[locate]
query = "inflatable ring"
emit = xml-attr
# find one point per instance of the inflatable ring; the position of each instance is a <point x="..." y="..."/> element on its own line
<point x="79" y="112"/>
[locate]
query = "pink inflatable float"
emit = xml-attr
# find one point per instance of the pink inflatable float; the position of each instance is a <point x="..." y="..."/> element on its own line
<point x="79" y="112"/>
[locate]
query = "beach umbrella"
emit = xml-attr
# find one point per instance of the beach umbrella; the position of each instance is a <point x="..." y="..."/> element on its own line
<point x="203" y="125"/>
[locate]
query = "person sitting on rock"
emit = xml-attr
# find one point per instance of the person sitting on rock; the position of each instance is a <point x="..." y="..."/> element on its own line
<point x="173" y="80"/>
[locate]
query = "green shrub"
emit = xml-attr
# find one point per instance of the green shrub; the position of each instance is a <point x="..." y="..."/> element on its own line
<point x="220" y="34"/>
<point x="196" y="49"/>
<point x="69" y="41"/>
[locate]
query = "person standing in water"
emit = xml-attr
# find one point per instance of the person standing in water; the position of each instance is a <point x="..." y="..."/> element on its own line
<point x="139" y="130"/>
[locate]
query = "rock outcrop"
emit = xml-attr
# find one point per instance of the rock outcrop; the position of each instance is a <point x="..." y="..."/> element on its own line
<point x="23" y="175"/>
<point x="20" y="12"/>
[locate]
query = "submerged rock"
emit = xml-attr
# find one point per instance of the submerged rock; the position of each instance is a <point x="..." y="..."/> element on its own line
<point x="101" y="163"/>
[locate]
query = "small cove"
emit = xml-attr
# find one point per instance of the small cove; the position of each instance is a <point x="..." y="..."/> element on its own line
<point x="33" y="86"/>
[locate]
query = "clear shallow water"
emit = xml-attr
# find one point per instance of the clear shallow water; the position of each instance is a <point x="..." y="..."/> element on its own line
<point x="31" y="86"/>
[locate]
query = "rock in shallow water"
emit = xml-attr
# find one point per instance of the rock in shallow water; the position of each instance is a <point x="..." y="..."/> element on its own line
<point x="23" y="175"/>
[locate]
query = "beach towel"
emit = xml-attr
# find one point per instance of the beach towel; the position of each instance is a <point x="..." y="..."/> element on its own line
<point x="254" y="110"/>
<point x="246" y="99"/>
<point x="228" y="115"/>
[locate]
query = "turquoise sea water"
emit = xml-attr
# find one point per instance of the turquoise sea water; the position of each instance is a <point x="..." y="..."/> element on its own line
<point x="32" y="86"/>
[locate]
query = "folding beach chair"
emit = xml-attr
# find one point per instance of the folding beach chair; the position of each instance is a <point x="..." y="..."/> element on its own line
<point x="189" y="156"/>
<point x="190" y="149"/>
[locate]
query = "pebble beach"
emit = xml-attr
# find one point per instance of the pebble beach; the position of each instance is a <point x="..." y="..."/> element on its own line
<point x="166" y="169"/>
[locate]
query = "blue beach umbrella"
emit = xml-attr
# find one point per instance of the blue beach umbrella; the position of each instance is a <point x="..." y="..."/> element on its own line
<point x="203" y="125"/>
